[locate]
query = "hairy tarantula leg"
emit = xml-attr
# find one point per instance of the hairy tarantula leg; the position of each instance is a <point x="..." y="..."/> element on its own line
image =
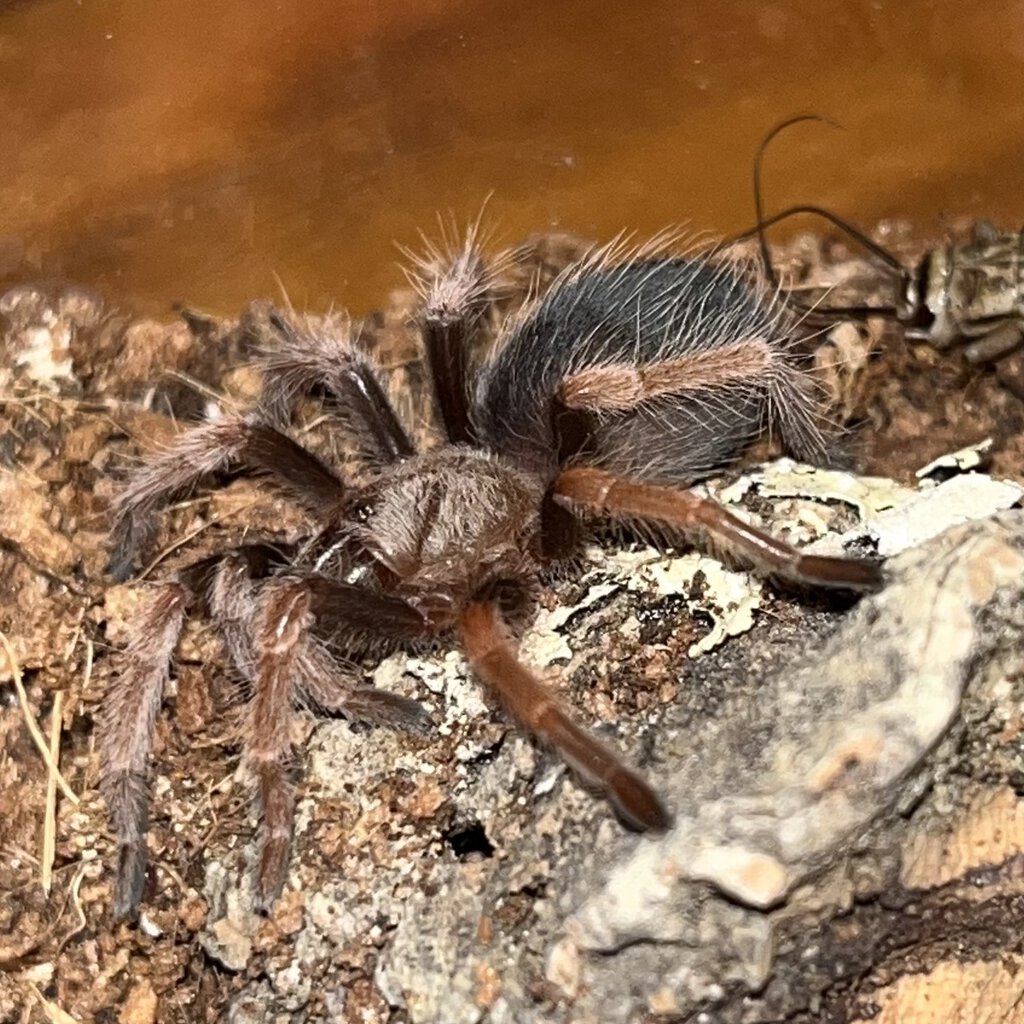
<point x="346" y="608"/>
<point x="620" y="387"/>
<point x="206" y="449"/>
<point x="231" y="591"/>
<point x="748" y="364"/>
<point x="371" y="706"/>
<point x="326" y="684"/>
<point x="620" y="498"/>
<point x="490" y="651"/>
<point x="284" y="622"/>
<point x="125" y="736"/>
<point x="455" y="304"/>
<point x="306" y="359"/>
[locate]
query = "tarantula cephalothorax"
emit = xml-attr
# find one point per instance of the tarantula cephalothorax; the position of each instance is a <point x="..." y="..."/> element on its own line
<point x="628" y="379"/>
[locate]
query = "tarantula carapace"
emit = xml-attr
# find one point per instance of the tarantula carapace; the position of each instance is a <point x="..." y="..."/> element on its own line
<point x="630" y="377"/>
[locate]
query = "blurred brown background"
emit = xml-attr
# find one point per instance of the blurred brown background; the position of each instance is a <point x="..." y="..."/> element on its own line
<point x="200" y="150"/>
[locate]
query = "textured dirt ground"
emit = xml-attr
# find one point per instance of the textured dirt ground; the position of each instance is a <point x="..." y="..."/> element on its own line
<point x="388" y="822"/>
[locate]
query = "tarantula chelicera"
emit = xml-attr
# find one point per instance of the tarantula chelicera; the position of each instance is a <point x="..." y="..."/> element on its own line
<point x="627" y="379"/>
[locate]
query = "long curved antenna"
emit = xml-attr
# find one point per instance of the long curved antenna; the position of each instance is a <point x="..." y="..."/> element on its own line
<point x="882" y="255"/>
<point x="823" y="312"/>
<point x="758" y="196"/>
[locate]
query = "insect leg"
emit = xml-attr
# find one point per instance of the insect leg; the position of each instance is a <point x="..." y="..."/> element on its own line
<point x="997" y="343"/>
<point x="596" y="491"/>
<point x="490" y="650"/>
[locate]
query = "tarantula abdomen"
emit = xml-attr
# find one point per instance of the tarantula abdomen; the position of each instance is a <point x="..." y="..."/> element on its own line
<point x="674" y="364"/>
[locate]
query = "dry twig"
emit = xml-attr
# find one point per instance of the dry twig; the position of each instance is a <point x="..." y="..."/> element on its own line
<point x="31" y="723"/>
<point x="50" y="819"/>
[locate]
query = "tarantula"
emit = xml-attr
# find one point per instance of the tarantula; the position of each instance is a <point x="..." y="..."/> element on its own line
<point x="628" y="379"/>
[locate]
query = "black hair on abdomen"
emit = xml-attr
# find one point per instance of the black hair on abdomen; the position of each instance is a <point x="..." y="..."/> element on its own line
<point x="642" y="312"/>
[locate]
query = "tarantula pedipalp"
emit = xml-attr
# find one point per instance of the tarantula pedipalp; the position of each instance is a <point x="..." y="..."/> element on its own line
<point x="627" y="380"/>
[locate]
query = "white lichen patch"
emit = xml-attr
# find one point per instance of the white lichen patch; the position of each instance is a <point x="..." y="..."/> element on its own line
<point x="806" y="504"/>
<point x="937" y="508"/>
<point x="736" y="598"/>
<point x="544" y="643"/>
<point x="446" y="675"/>
<point x="893" y="518"/>
<point x="784" y="478"/>
<point x="728" y="597"/>
<point x="959" y="461"/>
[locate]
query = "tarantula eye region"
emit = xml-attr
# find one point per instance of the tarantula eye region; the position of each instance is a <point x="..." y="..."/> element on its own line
<point x="437" y="609"/>
<point x="360" y="510"/>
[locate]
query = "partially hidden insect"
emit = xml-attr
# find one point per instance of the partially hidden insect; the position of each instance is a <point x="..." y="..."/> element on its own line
<point x="633" y="375"/>
<point x="969" y="293"/>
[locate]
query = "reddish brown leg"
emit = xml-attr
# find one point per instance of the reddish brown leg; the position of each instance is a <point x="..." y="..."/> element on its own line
<point x="597" y="491"/>
<point x="290" y="662"/>
<point x="491" y="653"/>
<point x="125" y="736"/>
<point x="284" y="621"/>
<point x="748" y="365"/>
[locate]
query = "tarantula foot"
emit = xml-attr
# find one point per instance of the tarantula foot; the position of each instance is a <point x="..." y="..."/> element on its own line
<point x="636" y="805"/>
<point x="860" y="574"/>
<point x="130" y="879"/>
<point x="271" y="873"/>
<point x="379" y="707"/>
